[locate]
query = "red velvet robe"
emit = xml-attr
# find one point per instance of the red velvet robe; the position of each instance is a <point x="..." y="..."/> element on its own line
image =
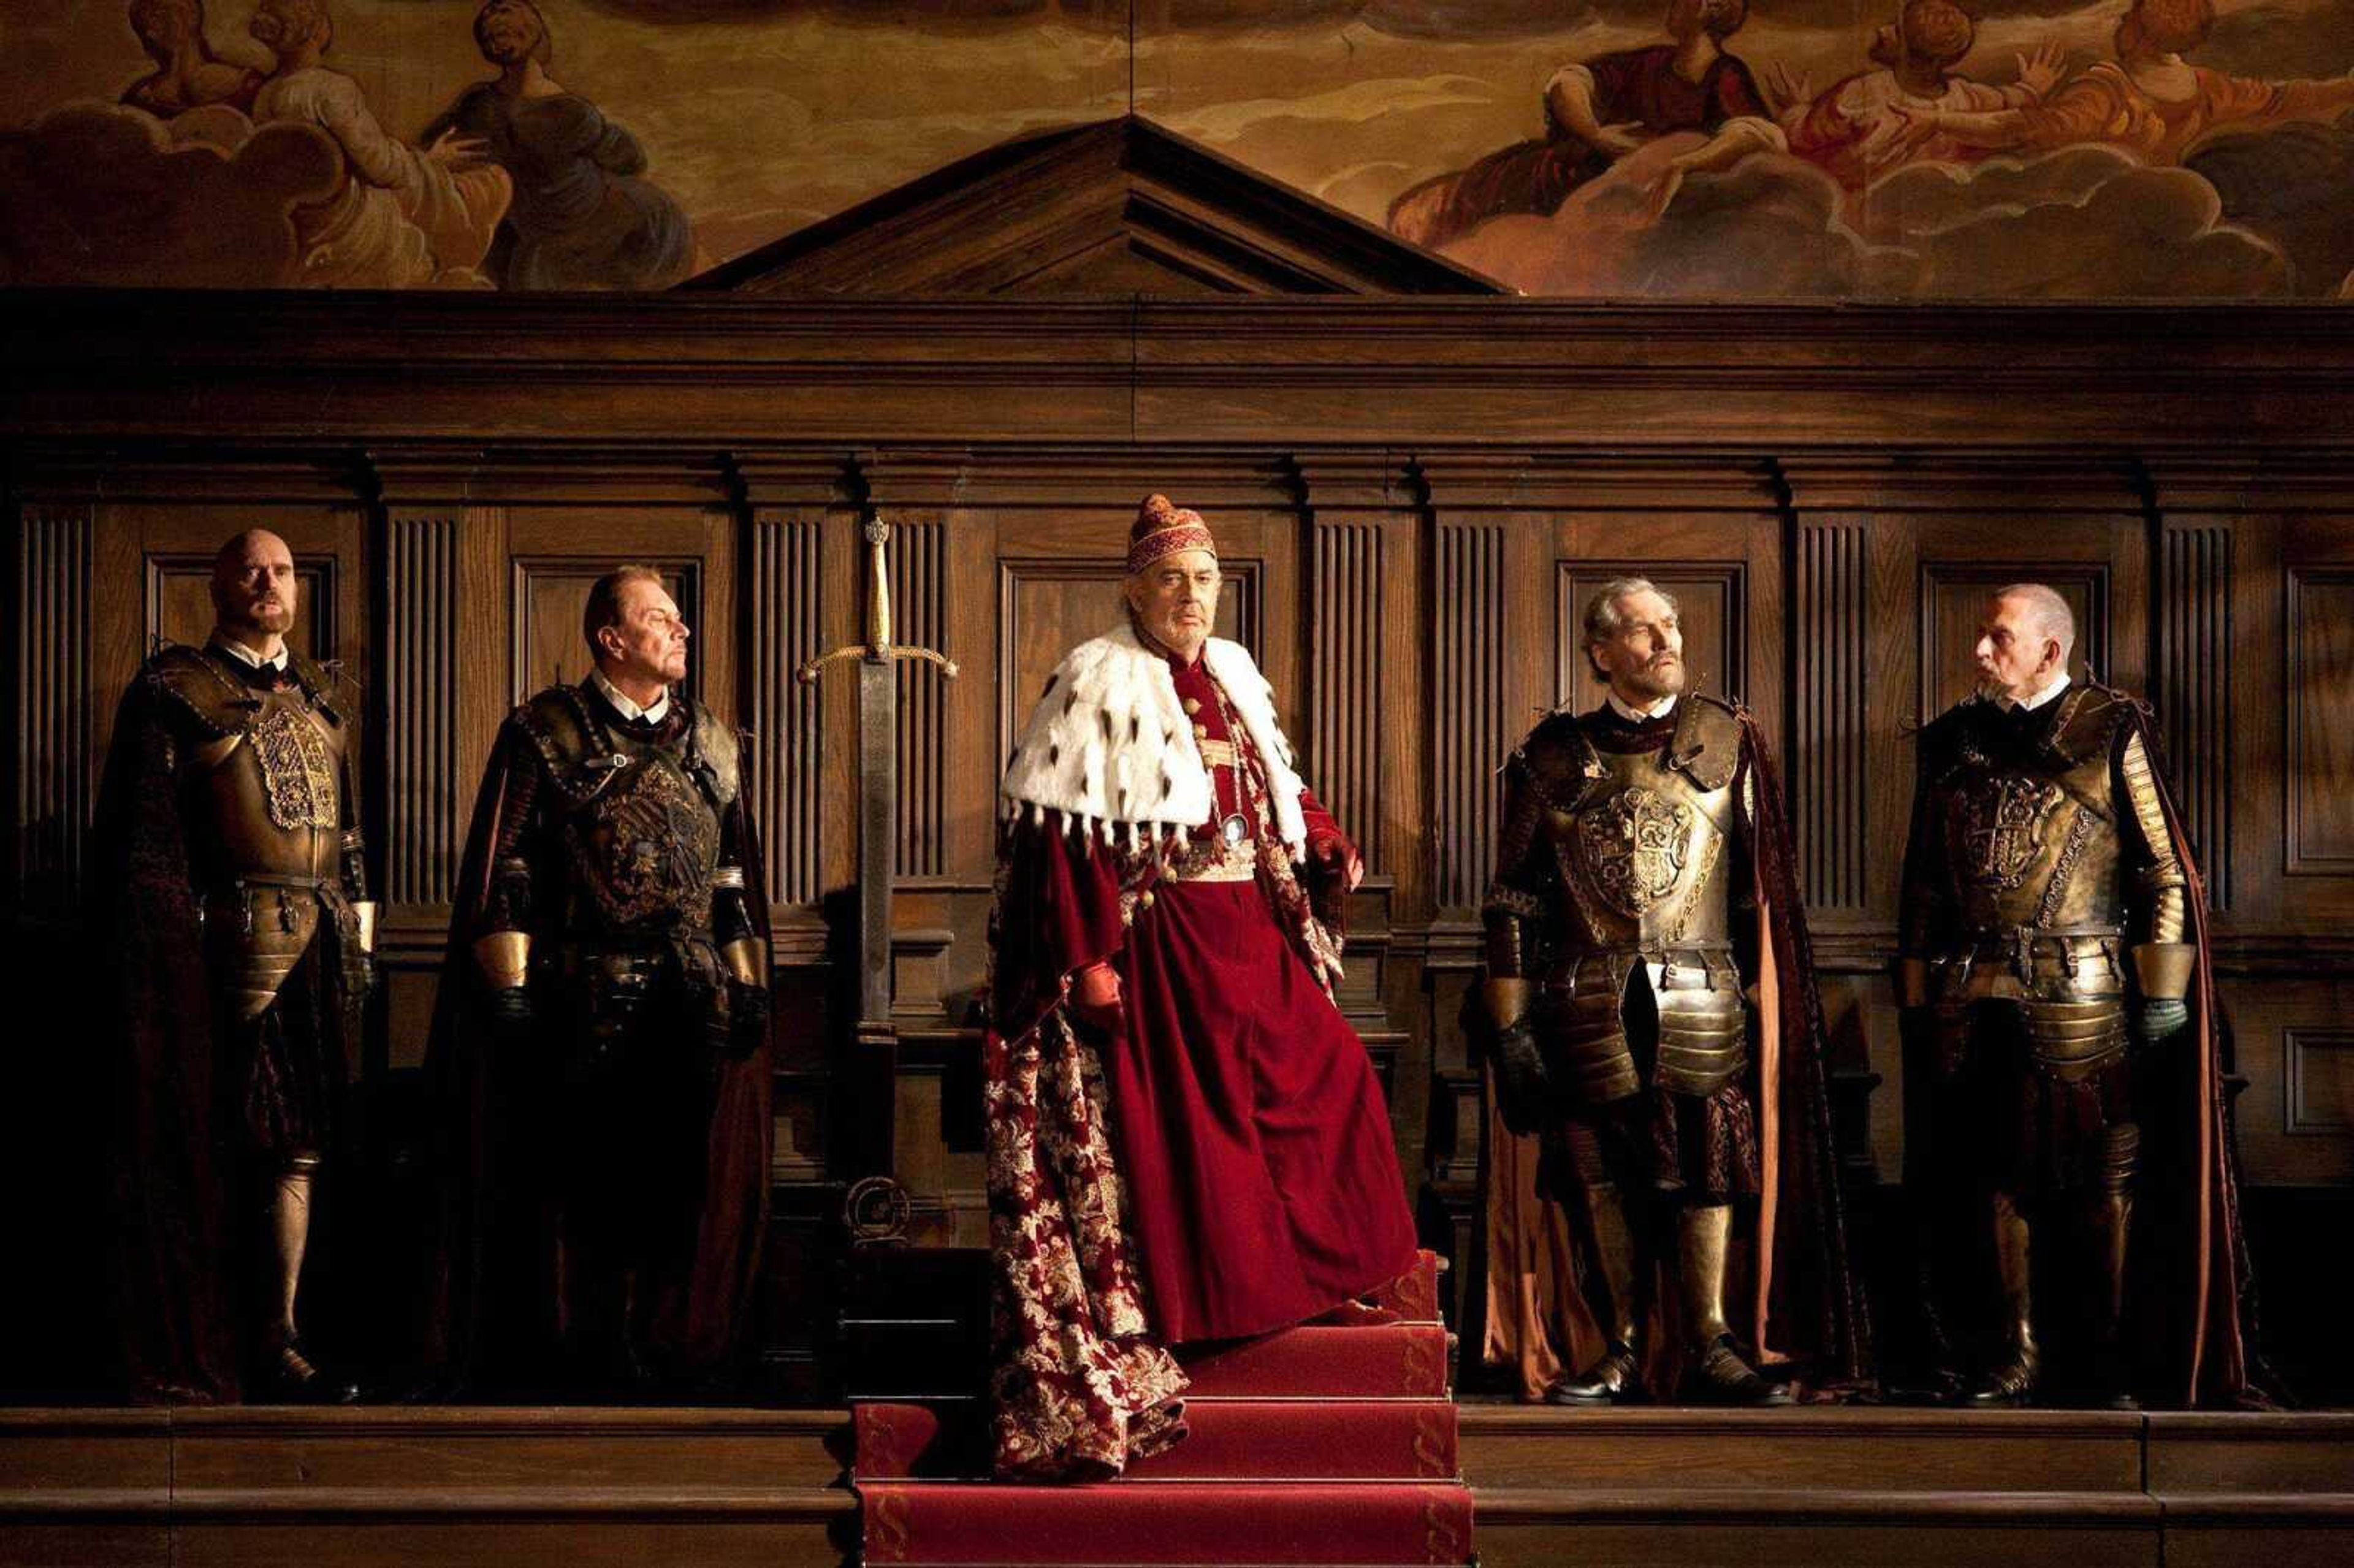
<point x="1261" y="1179"/>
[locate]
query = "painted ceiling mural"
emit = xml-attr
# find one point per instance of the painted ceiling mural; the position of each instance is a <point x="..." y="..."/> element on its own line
<point x="2123" y="148"/>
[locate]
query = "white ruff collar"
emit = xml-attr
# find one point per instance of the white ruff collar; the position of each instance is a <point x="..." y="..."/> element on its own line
<point x="1109" y="746"/>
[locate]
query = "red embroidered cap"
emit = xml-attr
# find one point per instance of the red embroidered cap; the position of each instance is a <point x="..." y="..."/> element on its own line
<point x="1162" y="529"/>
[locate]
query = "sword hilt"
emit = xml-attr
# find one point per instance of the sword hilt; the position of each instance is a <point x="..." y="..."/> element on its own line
<point x="877" y="647"/>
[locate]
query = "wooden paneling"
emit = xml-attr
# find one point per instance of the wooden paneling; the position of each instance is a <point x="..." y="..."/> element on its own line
<point x="2192" y="689"/>
<point x="919" y="597"/>
<point x="2321" y="690"/>
<point x="422" y="769"/>
<point x="1831" y="742"/>
<point x="1469" y="656"/>
<point x="785" y="591"/>
<point x="1345" y="677"/>
<point x="2320" y="1077"/>
<point x="54" y="780"/>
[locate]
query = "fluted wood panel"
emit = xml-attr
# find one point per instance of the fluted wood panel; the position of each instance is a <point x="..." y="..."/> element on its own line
<point x="54" y="765"/>
<point x="2194" y="690"/>
<point x="919" y="620"/>
<point x="788" y="626"/>
<point x="1833" y="754"/>
<point x="423" y="767"/>
<point x="1467" y="684"/>
<point x="1345" y="679"/>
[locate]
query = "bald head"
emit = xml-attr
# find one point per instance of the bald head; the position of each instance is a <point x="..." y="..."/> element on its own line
<point x="2024" y="639"/>
<point x="254" y="589"/>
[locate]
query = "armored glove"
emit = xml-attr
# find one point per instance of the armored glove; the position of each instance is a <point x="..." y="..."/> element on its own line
<point x="510" y="1010"/>
<point x="747" y="1013"/>
<point x="1520" y="1090"/>
<point x="2163" y="1017"/>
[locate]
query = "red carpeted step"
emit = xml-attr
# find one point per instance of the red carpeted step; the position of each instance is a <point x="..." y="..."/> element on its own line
<point x="1319" y="1439"/>
<point x="1143" y="1522"/>
<point x="1392" y="1361"/>
<point x="1413" y="1296"/>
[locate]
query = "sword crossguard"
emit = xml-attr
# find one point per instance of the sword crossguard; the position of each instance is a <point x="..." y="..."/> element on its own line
<point x="808" y="672"/>
<point x="877" y="648"/>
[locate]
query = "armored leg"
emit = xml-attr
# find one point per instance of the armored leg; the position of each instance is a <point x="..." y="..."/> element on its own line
<point x="287" y="1374"/>
<point x="1717" y="1375"/>
<point x="2111" y="1223"/>
<point x="2014" y="1379"/>
<point x="1613" y="1270"/>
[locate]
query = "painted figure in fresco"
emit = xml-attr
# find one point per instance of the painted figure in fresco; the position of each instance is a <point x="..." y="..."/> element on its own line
<point x="1853" y="130"/>
<point x="1186" y="1141"/>
<point x="404" y="216"/>
<point x="1598" y="112"/>
<point x="2062" y="1057"/>
<point x="582" y="218"/>
<point x="233" y="900"/>
<point x="2147" y="100"/>
<point x="1645" y="910"/>
<point x="188" y="74"/>
<point x="601" y="1037"/>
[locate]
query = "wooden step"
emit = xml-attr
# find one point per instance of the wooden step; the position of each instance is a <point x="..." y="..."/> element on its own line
<point x="454" y="1487"/>
<point x="1833" y="1449"/>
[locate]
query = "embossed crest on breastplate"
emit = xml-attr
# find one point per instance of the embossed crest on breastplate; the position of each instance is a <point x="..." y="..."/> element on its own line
<point x="646" y="847"/>
<point x="298" y="778"/>
<point x="1999" y="827"/>
<point x="1637" y="844"/>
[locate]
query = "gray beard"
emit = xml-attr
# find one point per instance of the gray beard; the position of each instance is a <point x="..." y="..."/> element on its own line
<point x="1653" y="685"/>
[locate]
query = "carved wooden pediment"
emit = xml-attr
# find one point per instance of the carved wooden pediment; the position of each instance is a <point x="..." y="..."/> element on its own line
<point x="1112" y="207"/>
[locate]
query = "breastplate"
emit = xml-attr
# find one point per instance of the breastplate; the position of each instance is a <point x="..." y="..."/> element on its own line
<point x="644" y="849"/>
<point x="2031" y="848"/>
<point x="1638" y="857"/>
<point x="267" y="799"/>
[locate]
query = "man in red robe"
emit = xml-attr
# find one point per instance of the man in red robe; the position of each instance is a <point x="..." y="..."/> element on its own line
<point x="1186" y="1141"/>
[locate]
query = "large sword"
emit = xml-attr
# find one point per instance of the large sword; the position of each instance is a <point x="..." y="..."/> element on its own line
<point x="878" y="715"/>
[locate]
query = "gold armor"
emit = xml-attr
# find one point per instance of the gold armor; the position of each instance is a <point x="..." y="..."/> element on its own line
<point x="2016" y="885"/>
<point x="263" y="774"/>
<point x="1614" y="860"/>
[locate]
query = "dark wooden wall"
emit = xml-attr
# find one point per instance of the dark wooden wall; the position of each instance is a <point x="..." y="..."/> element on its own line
<point x="1411" y="501"/>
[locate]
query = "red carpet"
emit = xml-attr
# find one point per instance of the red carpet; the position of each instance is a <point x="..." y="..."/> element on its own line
<point x="1316" y="1445"/>
<point x="1262" y="1439"/>
<point x="1395" y="1361"/>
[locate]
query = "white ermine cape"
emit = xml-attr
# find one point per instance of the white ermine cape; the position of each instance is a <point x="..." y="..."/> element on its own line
<point x="1108" y="747"/>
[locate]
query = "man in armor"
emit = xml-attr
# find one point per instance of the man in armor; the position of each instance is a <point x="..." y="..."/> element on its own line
<point x="2052" y="955"/>
<point x="1646" y="897"/>
<point x="232" y="897"/>
<point x="604" y="1031"/>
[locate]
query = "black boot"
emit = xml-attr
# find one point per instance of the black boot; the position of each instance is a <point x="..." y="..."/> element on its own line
<point x="1617" y="1378"/>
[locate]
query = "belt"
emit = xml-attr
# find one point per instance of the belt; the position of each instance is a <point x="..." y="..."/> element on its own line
<point x="1227" y="863"/>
